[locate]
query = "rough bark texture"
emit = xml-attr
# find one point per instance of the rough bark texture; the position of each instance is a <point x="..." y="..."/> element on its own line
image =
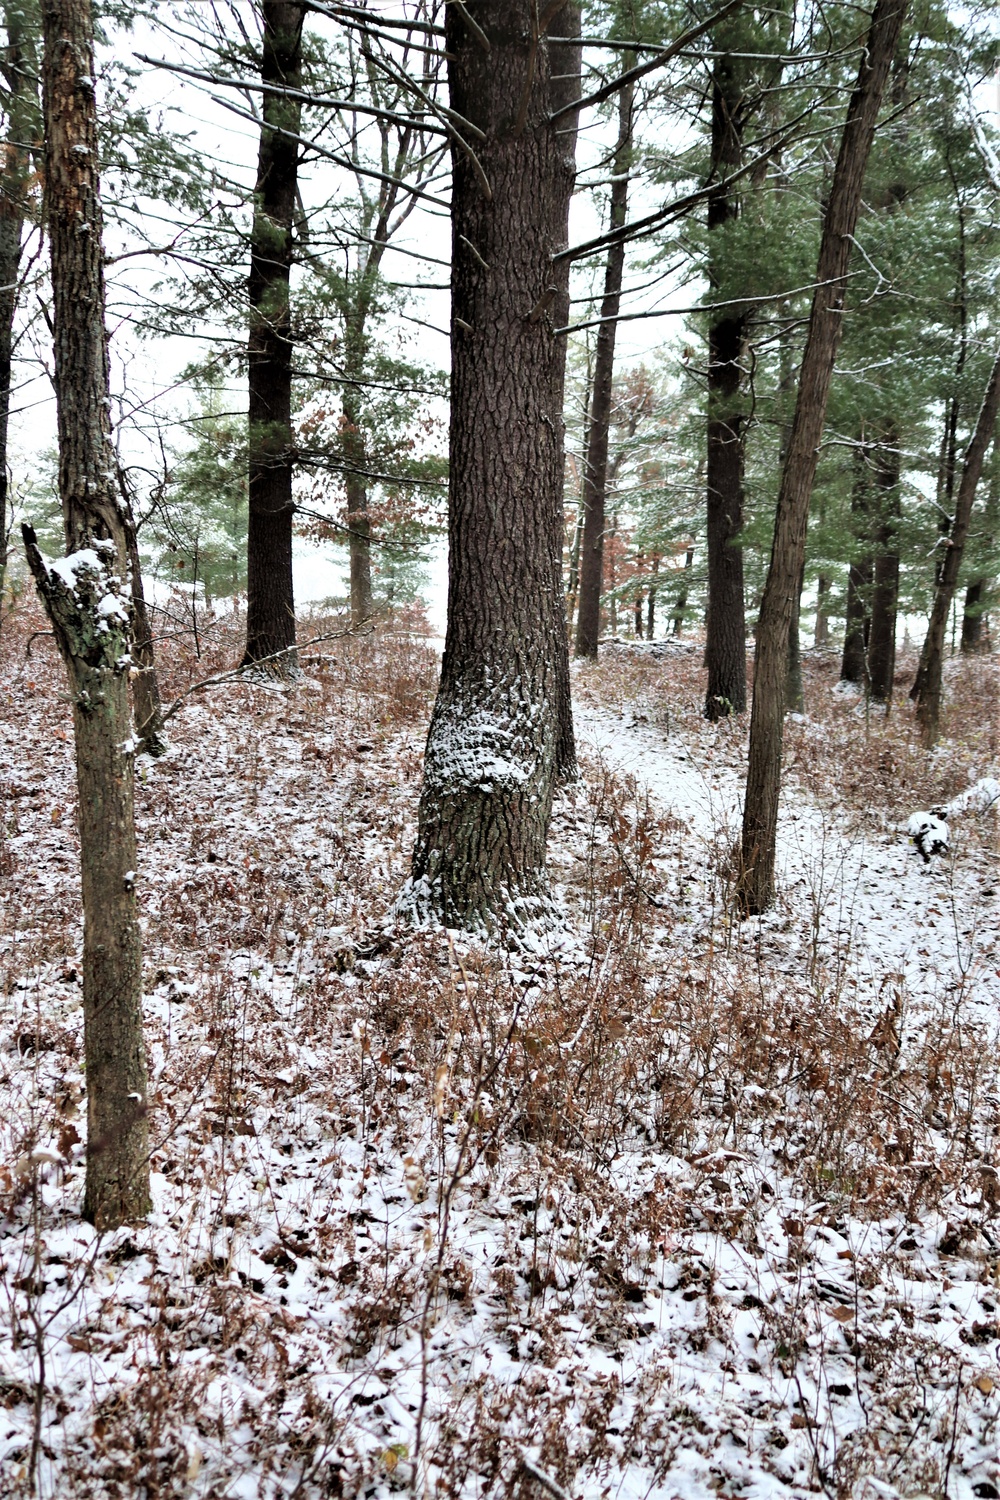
<point x="595" y="479"/>
<point x="760" y="814"/>
<point x="491" y="756"/>
<point x="564" y="88"/>
<point x="270" y="598"/>
<point x="88" y="602"/>
<point x="927" y="689"/>
<point x="882" y="635"/>
<point x="19" y="66"/>
<point x="725" y="633"/>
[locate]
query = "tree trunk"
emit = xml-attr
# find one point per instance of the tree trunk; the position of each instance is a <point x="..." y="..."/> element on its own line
<point x="359" y="529"/>
<point x="88" y="602"/>
<point x="854" y="662"/>
<point x="595" y="477"/>
<point x="270" y="598"/>
<point x="145" y="686"/>
<point x="821" y="634"/>
<point x="972" y="618"/>
<point x="882" y="635"/>
<point x="651" y="602"/>
<point x="564" y="89"/>
<point x="682" y="594"/>
<point x="725" y="636"/>
<point x="794" y="695"/>
<point x="19" y="66"/>
<point x="760" y="813"/>
<point x="492" y="748"/>
<point x="927" y="689"/>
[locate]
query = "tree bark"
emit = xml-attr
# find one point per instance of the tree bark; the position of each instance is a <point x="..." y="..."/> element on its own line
<point x="270" y="597"/>
<point x="19" y="66"/>
<point x="794" y="695"/>
<point x="760" y="814"/>
<point x="682" y="593"/>
<point x="882" y="635"/>
<point x="725" y="636"/>
<point x="595" y="478"/>
<point x="651" y="602"/>
<point x="492" y="748"/>
<point x="145" y="685"/>
<point x="821" y="634"/>
<point x="564" y="89"/>
<point x="88" y="602"/>
<point x="927" y="689"/>
<point x="854" y="661"/>
<point x="972" y="618"/>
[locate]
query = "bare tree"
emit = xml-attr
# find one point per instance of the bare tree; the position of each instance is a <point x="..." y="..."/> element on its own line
<point x="88" y="601"/>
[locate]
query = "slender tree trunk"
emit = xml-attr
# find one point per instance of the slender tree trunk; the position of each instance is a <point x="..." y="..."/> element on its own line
<point x="760" y="814"/>
<point x="821" y="634"/>
<point x="651" y="602"/>
<point x="359" y="529"/>
<point x="19" y="66"/>
<point x="682" y="594"/>
<point x="854" y="662"/>
<point x="725" y="636"/>
<point x="88" y="602"/>
<point x="595" y="478"/>
<point x="927" y="689"/>
<point x="492" y="749"/>
<point x="270" y="598"/>
<point x="882" y="636"/>
<point x="145" y="686"/>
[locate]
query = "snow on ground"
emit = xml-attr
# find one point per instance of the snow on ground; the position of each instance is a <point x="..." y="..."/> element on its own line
<point x="673" y="1206"/>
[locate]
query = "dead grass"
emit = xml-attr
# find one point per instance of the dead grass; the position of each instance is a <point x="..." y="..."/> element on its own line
<point x="618" y="1122"/>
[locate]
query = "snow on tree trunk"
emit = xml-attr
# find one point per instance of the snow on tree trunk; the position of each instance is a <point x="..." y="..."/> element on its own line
<point x="492" y="748"/>
<point x="88" y="600"/>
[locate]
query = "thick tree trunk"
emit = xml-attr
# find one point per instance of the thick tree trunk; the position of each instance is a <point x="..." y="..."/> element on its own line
<point x="725" y="637"/>
<point x="760" y="813"/>
<point x="882" y="636"/>
<point x="927" y="689"/>
<point x="88" y="602"/>
<point x="492" y="748"/>
<point x="595" y="478"/>
<point x="270" y="598"/>
<point x="19" y="66"/>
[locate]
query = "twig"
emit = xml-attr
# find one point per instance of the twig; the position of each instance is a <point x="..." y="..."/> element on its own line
<point x="237" y="673"/>
<point x="540" y="1477"/>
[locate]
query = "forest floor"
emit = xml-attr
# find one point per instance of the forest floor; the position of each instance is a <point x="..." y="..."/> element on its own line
<point x="665" y="1204"/>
